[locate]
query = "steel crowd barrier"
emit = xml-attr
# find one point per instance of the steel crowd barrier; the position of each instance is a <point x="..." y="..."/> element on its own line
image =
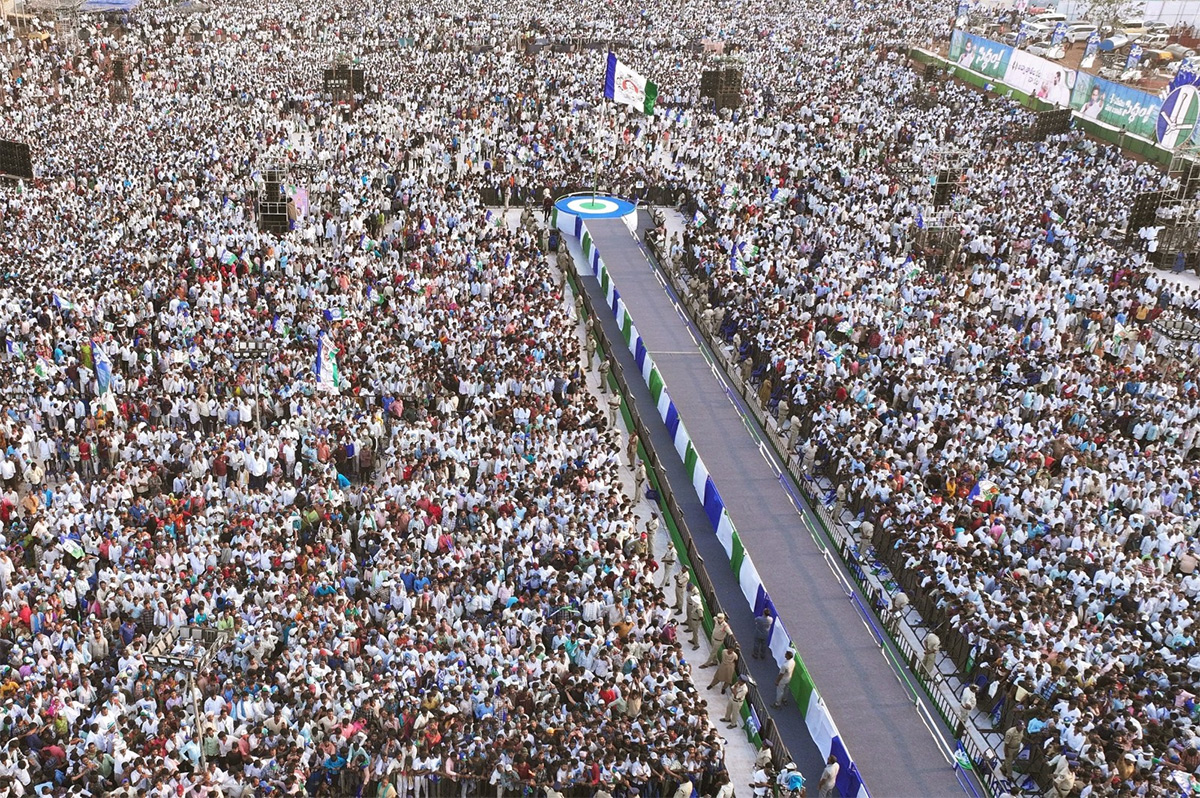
<point x="820" y="724"/>
<point x="978" y="745"/>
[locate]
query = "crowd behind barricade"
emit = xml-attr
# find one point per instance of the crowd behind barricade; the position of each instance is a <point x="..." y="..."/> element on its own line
<point x="433" y="578"/>
<point x="419" y="544"/>
<point x="983" y="386"/>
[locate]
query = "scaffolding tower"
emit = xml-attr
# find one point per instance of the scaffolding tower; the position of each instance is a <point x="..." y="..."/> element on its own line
<point x="189" y="650"/>
<point x="1179" y="211"/>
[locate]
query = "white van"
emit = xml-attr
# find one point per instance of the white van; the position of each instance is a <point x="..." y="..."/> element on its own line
<point x="1051" y="18"/>
<point x="1130" y="27"/>
<point x="1080" y="31"/>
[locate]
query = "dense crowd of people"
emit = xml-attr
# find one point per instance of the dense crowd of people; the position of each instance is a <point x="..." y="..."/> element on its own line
<point x="982" y="383"/>
<point x="419" y="545"/>
<point x="407" y="518"/>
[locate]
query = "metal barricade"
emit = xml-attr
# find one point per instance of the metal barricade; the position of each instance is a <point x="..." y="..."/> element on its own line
<point x="668" y="501"/>
<point x="956" y="647"/>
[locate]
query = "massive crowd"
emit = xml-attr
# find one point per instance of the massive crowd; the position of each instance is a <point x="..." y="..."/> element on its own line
<point x="432" y="577"/>
<point x="983" y="382"/>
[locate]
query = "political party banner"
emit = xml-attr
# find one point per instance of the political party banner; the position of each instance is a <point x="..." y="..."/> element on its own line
<point x="1187" y="73"/>
<point x="979" y="54"/>
<point x="1176" y="123"/>
<point x="1089" y="52"/>
<point x="1060" y="33"/>
<point x="1038" y="77"/>
<point x="1118" y="106"/>
<point x="1180" y="111"/>
<point x="1135" y="56"/>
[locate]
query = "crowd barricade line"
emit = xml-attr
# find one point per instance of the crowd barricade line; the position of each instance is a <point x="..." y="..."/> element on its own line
<point x="956" y="647"/>
<point x="819" y="722"/>
<point x="756" y="728"/>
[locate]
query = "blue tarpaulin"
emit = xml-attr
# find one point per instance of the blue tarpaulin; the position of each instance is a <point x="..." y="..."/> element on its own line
<point x="101" y="6"/>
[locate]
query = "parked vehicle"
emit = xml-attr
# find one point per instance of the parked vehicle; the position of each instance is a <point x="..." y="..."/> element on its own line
<point x="1047" y="50"/>
<point x="988" y="30"/>
<point x="1080" y="31"/>
<point x="1153" y="40"/>
<point x="1157" y="58"/>
<point x="1180" y="51"/>
<point x="1050" y="18"/>
<point x="1130" y="27"/>
<point x="1031" y="38"/>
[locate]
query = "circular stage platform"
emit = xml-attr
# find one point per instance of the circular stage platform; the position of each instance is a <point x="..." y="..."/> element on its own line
<point x="573" y="210"/>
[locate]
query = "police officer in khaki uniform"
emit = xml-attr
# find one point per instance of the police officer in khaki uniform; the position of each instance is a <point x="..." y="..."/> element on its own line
<point x="681" y="585"/>
<point x="695" y="616"/>
<point x="720" y="632"/>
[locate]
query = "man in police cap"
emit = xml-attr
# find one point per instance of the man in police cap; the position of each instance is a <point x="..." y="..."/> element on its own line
<point x="695" y="615"/>
<point x="720" y="631"/>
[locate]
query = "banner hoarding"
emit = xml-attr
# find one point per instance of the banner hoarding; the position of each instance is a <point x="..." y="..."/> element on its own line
<point x="1040" y="78"/>
<point x="1121" y="107"/>
<point x="979" y="54"/>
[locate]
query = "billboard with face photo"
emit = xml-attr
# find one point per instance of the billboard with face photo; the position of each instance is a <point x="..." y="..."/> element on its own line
<point x="1120" y="107"/>
<point x="979" y="54"/>
<point x="1040" y="78"/>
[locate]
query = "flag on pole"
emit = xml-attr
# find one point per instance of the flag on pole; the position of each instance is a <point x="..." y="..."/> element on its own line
<point x="737" y="263"/>
<point x="63" y="304"/>
<point x="15" y="349"/>
<point x="912" y="269"/>
<point x="625" y="86"/>
<point x="326" y="367"/>
<point x="44" y="368"/>
<point x="103" y="367"/>
<point x="335" y="314"/>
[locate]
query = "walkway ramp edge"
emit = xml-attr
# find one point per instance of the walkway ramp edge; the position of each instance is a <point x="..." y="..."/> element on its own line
<point x="817" y="718"/>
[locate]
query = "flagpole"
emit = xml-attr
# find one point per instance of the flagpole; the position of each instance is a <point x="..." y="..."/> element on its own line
<point x="596" y="166"/>
<point x="604" y="117"/>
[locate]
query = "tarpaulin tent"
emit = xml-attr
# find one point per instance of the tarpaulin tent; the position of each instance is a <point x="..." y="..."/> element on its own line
<point x="101" y="6"/>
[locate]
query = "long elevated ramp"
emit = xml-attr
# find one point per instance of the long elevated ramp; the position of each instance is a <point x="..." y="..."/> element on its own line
<point x="894" y="749"/>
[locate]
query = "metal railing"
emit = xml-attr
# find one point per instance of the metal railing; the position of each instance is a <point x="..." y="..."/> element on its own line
<point x="904" y="637"/>
<point x="767" y="729"/>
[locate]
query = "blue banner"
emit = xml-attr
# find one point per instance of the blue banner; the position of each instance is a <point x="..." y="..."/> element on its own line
<point x="1060" y="33"/>
<point x="1177" y="121"/>
<point x="1135" y="55"/>
<point x="1093" y="45"/>
<point x="1121" y="107"/>
<point x="979" y="54"/>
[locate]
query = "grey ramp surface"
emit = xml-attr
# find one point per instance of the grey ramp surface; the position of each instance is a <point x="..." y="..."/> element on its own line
<point x="790" y="725"/>
<point x="895" y="752"/>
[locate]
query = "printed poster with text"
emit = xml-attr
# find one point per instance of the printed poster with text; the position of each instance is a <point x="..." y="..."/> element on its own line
<point x="979" y="54"/>
<point x="1117" y="106"/>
